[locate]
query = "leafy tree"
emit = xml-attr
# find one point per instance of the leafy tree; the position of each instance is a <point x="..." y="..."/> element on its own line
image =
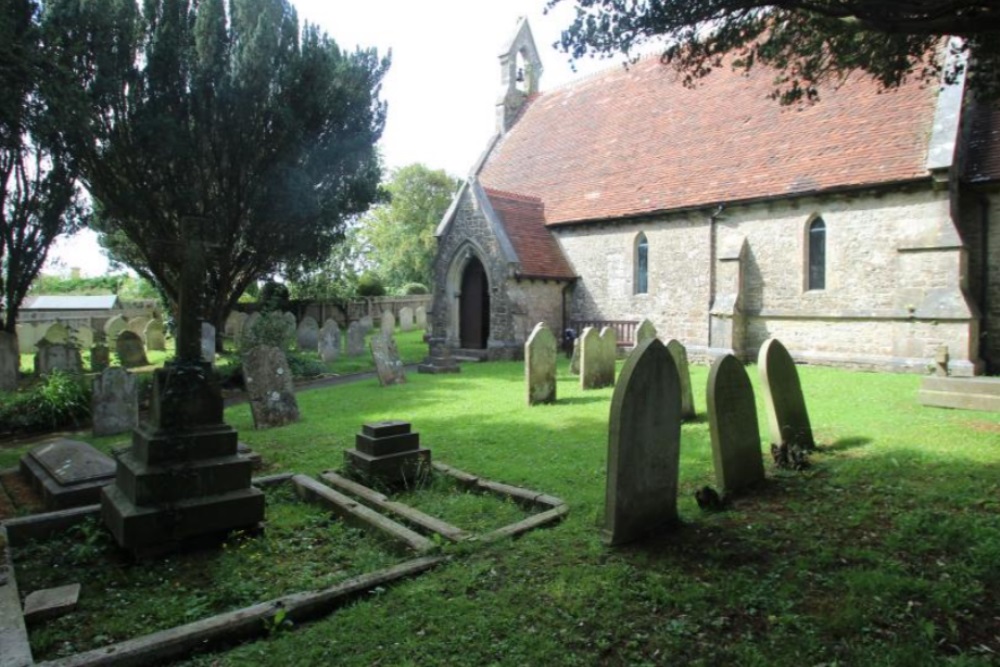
<point x="219" y="111"/>
<point x="336" y="278"/>
<point x="398" y="237"/>
<point x="38" y="194"/>
<point x="807" y="41"/>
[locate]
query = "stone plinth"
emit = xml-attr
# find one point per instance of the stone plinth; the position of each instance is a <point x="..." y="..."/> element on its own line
<point x="67" y="473"/>
<point x="439" y="360"/>
<point x="183" y="478"/>
<point x="388" y="452"/>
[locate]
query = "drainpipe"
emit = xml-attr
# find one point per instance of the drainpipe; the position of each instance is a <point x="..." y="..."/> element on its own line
<point x="984" y="283"/>
<point x="713" y="218"/>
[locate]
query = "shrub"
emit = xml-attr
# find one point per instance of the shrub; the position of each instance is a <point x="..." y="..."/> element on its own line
<point x="414" y="288"/>
<point x="59" y="400"/>
<point x="271" y="329"/>
<point x="303" y="366"/>
<point x="370" y="284"/>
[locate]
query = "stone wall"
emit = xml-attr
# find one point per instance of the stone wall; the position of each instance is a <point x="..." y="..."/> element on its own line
<point x="535" y="301"/>
<point x="981" y="218"/>
<point x="895" y="267"/>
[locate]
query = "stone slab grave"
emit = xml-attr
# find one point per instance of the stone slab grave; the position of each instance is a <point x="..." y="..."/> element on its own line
<point x="388" y="365"/>
<point x="67" y="473"/>
<point x="644" y="433"/>
<point x="50" y="603"/>
<point x="130" y="351"/>
<point x="307" y="334"/>
<point x="406" y="319"/>
<point x="10" y="361"/>
<point x="438" y="359"/>
<point x="388" y="452"/>
<point x="154" y="336"/>
<point x="114" y="402"/>
<point x="787" y="416"/>
<point x="355" y="339"/>
<point x="328" y="344"/>
<point x="732" y="423"/>
<point x="57" y="357"/>
<point x="679" y="354"/>
<point x="975" y="393"/>
<point x="388" y="323"/>
<point x="270" y="389"/>
<point x="540" y="352"/>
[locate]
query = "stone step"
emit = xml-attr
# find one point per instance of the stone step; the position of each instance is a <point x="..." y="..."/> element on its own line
<point x="977" y="393"/>
<point x="469" y="355"/>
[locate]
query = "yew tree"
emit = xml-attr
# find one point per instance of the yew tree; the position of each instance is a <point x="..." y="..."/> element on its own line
<point x="225" y="112"/>
<point x="807" y="41"/>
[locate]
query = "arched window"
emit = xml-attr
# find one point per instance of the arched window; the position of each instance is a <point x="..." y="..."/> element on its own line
<point x="641" y="264"/>
<point x="816" y="277"/>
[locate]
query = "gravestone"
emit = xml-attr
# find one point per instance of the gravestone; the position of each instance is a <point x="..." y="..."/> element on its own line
<point x="137" y="325"/>
<point x="249" y="324"/>
<point x="307" y="335"/>
<point x="234" y="324"/>
<point x="388" y="452"/>
<point x="329" y="342"/>
<point x="787" y="416"/>
<point x="291" y="325"/>
<point x="114" y="326"/>
<point x="100" y="357"/>
<point x="10" y="361"/>
<point x="609" y="352"/>
<point x="57" y="357"/>
<point x="57" y="333"/>
<point x="67" y="473"/>
<point x="83" y="336"/>
<point x="597" y="362"/>
<point x="366" y="323"/>
<point x="732" y="422"/>
<point x="574" y="361"/>
<point x="355" y="339"/>
<point x="644" y="433"/>
<point x="420" y="317"/>
<point x="270" y="389"/>
<point x="208" y="342"/>
<point x="540" y="365"/>
<point x="388" y="323"/>
<point x="115" y="402"/>
<point x="130" y="351"/>
<point x="406" y="319"/>
<point x="153" y="335"/>
<point x="645" y="331"/>
<point x="679" y="354"/>
<point x="388" y="365"/>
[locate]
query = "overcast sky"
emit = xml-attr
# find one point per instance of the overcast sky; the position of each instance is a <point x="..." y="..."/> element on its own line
<point x="441" y="88"/>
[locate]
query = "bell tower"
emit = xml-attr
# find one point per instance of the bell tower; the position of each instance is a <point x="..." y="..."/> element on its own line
<point x="520" y="71"/>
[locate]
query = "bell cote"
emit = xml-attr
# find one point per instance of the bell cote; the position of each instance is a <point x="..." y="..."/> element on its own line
<point x="520" y="70"/>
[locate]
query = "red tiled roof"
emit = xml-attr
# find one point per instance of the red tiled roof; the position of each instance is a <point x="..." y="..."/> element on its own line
<point x="983" y="164"/>
<point x="523" y="218"/>
<point x="629" y="142"/>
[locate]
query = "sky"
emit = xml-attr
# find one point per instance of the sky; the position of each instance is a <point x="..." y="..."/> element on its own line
<point x="441" y="88"/>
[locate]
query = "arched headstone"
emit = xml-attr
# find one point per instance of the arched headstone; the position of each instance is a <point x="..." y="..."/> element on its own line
<point x="84" y="337"/>
<point x="644" y="433"/>
<point x="679" y="354"/>
<point x="388" y="324"/>
<point x="114" y="326"/>
<point x="406" y="319"/>
<point x="57" y="356"/>
<point x="540" y="365"/>
<point x="645" y="331"/>
<point x="153" y="335"/>
<point x="115" y="402"/>
<point x="609" y="352"/>
<point x="787" y="416"/>
<point x="420" y="317"/>
<point x="130" y="351"/>
<point x="307" y="334"/>
<point x="57" y="333"/>
<point x="732" y="422"/>
<point x="355" y="339"/>
<point x="270" y="389"/>
<point x="329" y="342"/>
<point x="137" y="325"/>
<point x="388" y="365"/>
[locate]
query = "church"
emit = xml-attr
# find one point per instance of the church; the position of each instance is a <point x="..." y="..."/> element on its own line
<point x="863" y="230"/>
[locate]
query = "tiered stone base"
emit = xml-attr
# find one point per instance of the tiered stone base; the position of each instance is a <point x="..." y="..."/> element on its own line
<point x="388" y="452"/>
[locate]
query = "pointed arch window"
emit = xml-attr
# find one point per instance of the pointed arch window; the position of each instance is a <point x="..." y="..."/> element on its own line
<point x="816" y="276"/>
<point x="641" y="264"/>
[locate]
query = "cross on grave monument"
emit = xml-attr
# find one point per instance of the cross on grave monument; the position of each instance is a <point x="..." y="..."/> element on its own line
<point x="182" y="480"/>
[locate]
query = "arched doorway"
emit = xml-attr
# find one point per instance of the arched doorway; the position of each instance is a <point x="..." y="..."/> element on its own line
<point x="474" y="307"/>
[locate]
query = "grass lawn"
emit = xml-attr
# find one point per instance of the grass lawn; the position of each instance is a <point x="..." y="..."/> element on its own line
<point x="885" y="552"/>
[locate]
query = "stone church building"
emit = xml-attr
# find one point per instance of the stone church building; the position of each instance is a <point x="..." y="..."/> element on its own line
<point x="863" y="231"/>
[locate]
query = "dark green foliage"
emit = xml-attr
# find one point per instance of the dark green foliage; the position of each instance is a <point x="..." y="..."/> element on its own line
<point x="808" y="41"/>
<point x="414" y="288"/>
<point x="271" y="329"/>
<point x="225" y="111"/>
<point x="58" y="401"/>
<point x="273" y="296"/>
<point x="370" y="284"/>
<point x="303" y="365"/>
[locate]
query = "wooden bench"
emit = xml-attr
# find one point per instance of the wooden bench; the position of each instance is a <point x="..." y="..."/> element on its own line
<point x="624" y="329"/>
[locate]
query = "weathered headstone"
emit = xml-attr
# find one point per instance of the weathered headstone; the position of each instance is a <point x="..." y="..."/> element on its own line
<point x="406" y="319"/>
<point x="270" y="389"/>
<point x="137" y="325"/>
<point x="366" y="323"/>
<point x="115" y="402"/>
<point x="388" y="365"/>
<point x="307" y="335"/>
<point x="153" y="334"/>
<point x="540" y="365"/>
<point x="57" y="333"/>
<point x="67" y="473"/>
<point x="10" y="361"/>
<point x="50" y="603"/>
<point x="597" y="362"/>
<point x="609" y="352"/>
<point x="83" y="336"/>
<point x="679" y="354"/>
<point x="574" y="362"/>
<point x="250" y="323"/>
<point x="234" y="324"/>
<point x="732" y="422"/>
<point x="100" y="357"/>
<point x="208" y="342"/>
<point x="787" y="416"/>
<point x="130" y="351"/>
<point x="329" y="342"/>
<point x="57" y="357"/>
<point x="355" y="339"/>
<point x="644" y="433"/>
<point x="114" y="326"/>
<point x="388" y="323"/>
<point x="420" y="317"/>
<point x="291" y="325"/>
<point x="645" y="331"/>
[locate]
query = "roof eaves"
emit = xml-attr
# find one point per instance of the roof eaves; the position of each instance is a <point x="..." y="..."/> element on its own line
<point x="449" y="215"/>
<point x="496" y="225"/>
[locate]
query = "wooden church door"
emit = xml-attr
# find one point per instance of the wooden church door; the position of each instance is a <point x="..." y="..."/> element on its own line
<point x="474" y="307"/>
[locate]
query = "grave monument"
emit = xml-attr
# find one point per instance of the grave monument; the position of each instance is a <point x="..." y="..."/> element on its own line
<point x="732" y="423"/>
<point x="787" y="416"/>
<point x="540" y="365"/>
<point x="388" y="452"/>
